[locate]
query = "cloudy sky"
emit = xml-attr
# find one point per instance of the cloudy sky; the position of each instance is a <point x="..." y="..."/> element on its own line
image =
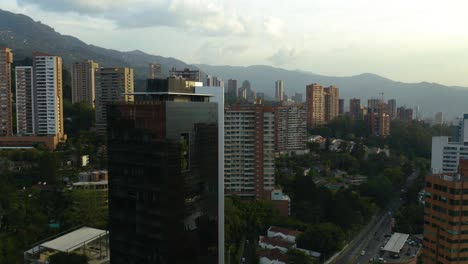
<point x="405" y="40"/>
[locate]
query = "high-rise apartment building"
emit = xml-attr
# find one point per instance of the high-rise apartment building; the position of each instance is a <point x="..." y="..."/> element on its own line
<point x="83" y="82"/>
<point x="332" y="106"/>
<point x="164" y="177"/>
<point x="405" y="114"/>
<point x="379" y="123"/>
<point x="341" y="107"/>
<point x="291" y="129"/>
<point x="279" y="91"/>
<point x="447" y="151"/>
<point x="154" y="70"/>
<point x="392" y="108"/>
<point x="315" y="105"/>
<point x="112" y="85"/>
<point x="243" y="92"/>
<point x="249" y="168"/>
<point x="374" y="104"/>
<point x="446" y="217"/>
<point x="24" y="101"/>
<point x="214" y="81"/>
<point x="232" y="88"/>
<point x="48" y="98"/>
<point x="6" y="98"/>
<point x="355" y="108"/>
<point x="439" y="118"/>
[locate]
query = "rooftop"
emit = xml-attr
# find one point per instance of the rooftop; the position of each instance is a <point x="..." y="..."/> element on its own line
<point x="90" y="242"/>
<point x="276" y="241"/>
<point x="274" y="254"/>
<point x="285" y="231"/>
<point x="75" y="239"/>
<point x="396" y="242"/>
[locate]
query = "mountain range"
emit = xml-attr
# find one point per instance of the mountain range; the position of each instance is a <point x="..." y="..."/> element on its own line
<point x="24" y="35"/>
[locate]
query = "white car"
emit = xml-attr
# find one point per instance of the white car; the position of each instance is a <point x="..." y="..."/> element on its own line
<point x="363" y="253"/>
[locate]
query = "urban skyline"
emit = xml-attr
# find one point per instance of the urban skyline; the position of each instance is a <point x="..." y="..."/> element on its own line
<point x="400" y="29"/>
<point x="151" y="160"/>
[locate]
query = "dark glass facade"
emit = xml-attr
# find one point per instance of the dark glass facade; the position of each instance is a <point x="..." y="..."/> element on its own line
<point x="163" y="182"/>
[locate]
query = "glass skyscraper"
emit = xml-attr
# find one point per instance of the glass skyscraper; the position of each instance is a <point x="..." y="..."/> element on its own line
<point x="163" y="176"/>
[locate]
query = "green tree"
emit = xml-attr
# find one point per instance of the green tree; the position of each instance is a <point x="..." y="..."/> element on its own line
<point x="395" y="175"/>
<point x="298" y="257"/>
<point x="379" y="189"/>
<point x="232" y="222"/>
<point x="88" y="207"/>
<point x="48" y="167"/>
<point x="79" y="117"/>
<point x="325" y="238"/>
<point x="410" y="219"/>
<point x="8" y="249"/>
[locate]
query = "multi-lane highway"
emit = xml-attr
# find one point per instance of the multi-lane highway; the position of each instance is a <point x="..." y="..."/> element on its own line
<point x="372" y="237"/>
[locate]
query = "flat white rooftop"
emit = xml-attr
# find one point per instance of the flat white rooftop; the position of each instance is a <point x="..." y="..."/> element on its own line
<point x="396" y="242"/>
<point x="74" y="240"/>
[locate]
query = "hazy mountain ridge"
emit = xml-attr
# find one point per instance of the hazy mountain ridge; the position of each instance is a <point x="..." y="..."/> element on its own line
<point x="430" y="97"/>
<point x="24" y="35"/>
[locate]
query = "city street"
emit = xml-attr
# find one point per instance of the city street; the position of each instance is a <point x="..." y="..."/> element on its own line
<point x="372" y="237"/>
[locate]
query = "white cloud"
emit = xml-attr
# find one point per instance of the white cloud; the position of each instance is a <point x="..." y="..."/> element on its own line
<point x="200" y="16"/>
<point x="273" y="27"/>
<point x="284" y="56"/>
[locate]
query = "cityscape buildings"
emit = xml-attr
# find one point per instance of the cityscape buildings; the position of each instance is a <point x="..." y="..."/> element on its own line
<point x="392" y="108"/>
<point x="154" y="70"/>
<point x="331" y="100"/>
<point x="6" y="98"/>
<point x="379" y="123"/>
<point x="439" y="118"/>
<point x="445" y="217"/>
<point x="341" y="107"/>
<point x="315" y="105"/>
<point x="164" y="176"/>
<point x="242" y="93"/>
<point x="214" y="81"/>
<point x="405" y="114"/>
<point x="194" y="75"/>
<point x="112" y="85"/>
<point x="355" y="108"/>
<point x="374" y="104"/>
<point x="24" y="101"/>
<point x="291" y="130"/>
<point x="233" y="88"/>
<point x="39" y="102"/>
<point x="447" y="151"/>
<point x="249" y="150"/>
<point x="279" y="91"/>
<point x="48" y="98"/>
<point x="378" y="119"/>
<point x="83" y="82"/>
